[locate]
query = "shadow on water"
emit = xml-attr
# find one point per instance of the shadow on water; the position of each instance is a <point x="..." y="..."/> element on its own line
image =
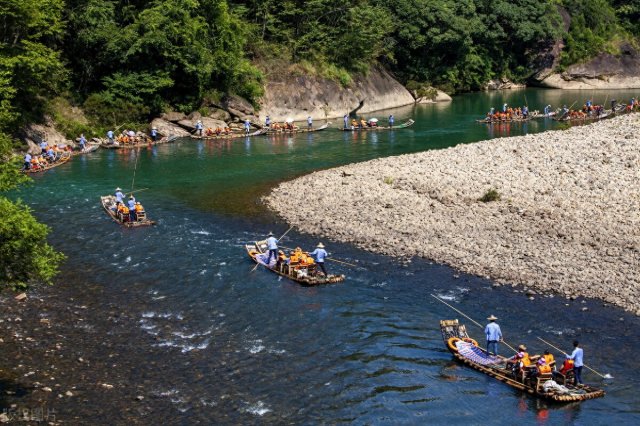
<point x="187" y="325"/>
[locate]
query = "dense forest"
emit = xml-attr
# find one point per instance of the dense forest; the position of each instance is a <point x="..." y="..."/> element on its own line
<point x="124" y="59"/>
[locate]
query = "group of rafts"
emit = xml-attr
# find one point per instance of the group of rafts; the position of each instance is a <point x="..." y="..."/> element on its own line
<point x="589" y="111"/>
<point x="535" y="375"/>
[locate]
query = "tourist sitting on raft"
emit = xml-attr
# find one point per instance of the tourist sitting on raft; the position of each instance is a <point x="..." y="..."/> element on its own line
<point x="129" y="137"/>
<point x="132" y="211"/>
<point x="298" y="260"/>
<point x="218" y="131"/>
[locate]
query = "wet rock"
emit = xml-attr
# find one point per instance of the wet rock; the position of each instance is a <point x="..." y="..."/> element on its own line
<point x="139" y="398"/>
<point x="47" y="389"/>
<point x="107" y="386"/>
<point x="68" y="393"/>
<point x="167" y="128"/>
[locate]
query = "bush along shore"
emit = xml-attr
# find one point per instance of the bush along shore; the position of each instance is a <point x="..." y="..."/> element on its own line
<point x="557" y="212"/>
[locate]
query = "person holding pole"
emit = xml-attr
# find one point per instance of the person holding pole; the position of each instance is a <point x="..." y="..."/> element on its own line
<point x="272" y="245"/>
<point x="494" y="335"/>
<point x="577" y="356"/>
<point x="320" y="254"/>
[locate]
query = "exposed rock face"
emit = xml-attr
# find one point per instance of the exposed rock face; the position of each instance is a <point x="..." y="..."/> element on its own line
<point x="440" y="97"/>
<point x="549" y="59"/>
<point x="567" y="220"/>
<point x="502" y="84"/>
<point x="35" y="133"/>
<point x="237" y="105"/>
<point x="207" y="122"/>
<point x="220" y="114"/>
<point x="605" y="71"/>
<point x="166" y="128"/>
<point x="300" y="96"/>
<point x="173" y="116"/>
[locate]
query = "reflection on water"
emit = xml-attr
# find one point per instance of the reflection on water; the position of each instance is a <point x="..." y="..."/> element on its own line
<point x="178" y="310"/>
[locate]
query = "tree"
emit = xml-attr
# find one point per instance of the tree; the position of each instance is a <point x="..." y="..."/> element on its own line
<point x="25" y="256"/>
<point x="28" y="54"/>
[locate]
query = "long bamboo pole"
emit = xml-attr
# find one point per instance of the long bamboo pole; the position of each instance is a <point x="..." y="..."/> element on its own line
<point x="258" y="263"/>
<point x="604" y="376"/>
<point x="470" y="319"/>
<point x="328" y="258"/>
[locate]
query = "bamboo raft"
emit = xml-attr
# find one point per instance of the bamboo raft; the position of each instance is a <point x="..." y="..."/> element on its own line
<point x="235" y="135"/>
<point x="511" y="120"/>
<point x="109" y="204"/>
<point x="149" y="142"/>
<point x="305" y="275"/>
<point x="91" y="147"/>
<point x="272" y="131"/>
<point x="64" y="157"/>
<point x="466" y="351"/>
<point x="602" y="116"/>
<point x="367" y="128"/>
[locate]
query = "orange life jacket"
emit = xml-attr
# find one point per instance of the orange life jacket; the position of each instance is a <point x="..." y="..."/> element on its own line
<point x="544" y="369"/>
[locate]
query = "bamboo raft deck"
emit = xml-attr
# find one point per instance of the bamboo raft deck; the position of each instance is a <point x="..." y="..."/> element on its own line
<point x="273" y="131"/>
<point x="404" y="125"/>
<point x="109" y="203"/>
<point x="511" y="120"/>
<point x="233" y="135"/>
<point x="148" y="143"/>
<point x="64" y="157"/>
<point x="465" y="350"/>
<point x="605" y="114"/>
<point x="302" y="274"/>
<point x="91" y="147"/>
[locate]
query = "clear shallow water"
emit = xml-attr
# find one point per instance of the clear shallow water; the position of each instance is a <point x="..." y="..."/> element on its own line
<point x="178" y="312"/>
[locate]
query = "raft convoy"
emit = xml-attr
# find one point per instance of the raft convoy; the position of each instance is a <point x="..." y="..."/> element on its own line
<point x="300" y="267"/>
<point x="588" y="112"/>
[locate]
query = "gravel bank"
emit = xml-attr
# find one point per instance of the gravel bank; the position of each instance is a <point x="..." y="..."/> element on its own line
<point x="568" y="219"/>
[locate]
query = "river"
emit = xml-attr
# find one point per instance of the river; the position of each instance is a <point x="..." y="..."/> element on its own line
<point x="175" y="320"/>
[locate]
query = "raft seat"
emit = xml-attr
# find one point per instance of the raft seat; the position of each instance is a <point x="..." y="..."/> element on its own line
<point x="541" y="379"/>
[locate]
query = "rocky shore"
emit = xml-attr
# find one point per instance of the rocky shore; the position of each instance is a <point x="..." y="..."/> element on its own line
<point x="567" y="219"/>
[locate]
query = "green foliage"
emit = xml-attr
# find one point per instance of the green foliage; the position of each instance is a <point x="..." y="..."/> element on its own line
<point x="628" y="13"/>
<point x="69" y="120"/>
<point x="29" y="62"/>
<point x="350" y="35"/>
<point x="25" y="256"/>
<point x="10" y="176"/>
<point x="489" y="196"/>
<point x="388" y="180"/>
<point x="593" y="25"/>
<point x="422" y="90"/>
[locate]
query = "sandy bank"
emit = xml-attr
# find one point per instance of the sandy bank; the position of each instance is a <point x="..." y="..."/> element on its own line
<point x="568" y="220"/>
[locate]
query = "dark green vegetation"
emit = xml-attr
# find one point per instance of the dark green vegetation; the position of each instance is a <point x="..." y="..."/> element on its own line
<point x="489" y="196"/>
<point x="125" y="60"/>
<point x="25" y="256"/>
<point x="30" y="71"/>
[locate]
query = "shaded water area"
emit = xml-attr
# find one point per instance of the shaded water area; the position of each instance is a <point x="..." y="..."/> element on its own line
<point x="173" y="313"/>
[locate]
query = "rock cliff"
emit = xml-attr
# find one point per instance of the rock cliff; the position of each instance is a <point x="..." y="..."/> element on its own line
<point x="298" y="96"/>
<point x="605" y="71"/>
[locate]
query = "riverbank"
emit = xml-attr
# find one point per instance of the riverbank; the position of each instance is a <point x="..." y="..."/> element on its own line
<point x="567" y="220"/>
